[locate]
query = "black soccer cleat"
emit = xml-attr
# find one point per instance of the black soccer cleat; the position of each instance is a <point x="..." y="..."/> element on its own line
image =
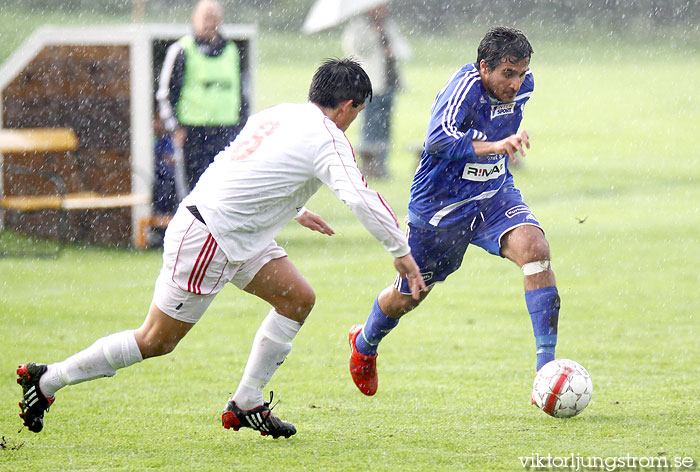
<point x="260" y="419"/>
<point x="33" y="403"/>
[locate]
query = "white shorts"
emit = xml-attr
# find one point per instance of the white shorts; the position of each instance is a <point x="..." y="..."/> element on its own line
<point x="195" y="268"/>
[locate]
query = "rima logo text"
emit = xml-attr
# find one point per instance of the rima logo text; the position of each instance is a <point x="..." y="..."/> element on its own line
<point x="484" y="172"/>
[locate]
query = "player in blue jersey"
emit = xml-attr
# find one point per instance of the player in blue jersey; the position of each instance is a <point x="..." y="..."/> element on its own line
<point x="463" y="193"/>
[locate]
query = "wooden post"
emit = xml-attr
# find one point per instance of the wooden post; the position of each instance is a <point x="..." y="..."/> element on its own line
<point x="138" y="11"/>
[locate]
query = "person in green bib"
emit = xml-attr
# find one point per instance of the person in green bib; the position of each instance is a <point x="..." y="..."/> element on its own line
<point x="200" y="94"/>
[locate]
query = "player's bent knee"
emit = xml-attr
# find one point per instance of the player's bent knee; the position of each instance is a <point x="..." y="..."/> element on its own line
<point x="535" y="250"/>
<point x="525" y="244"/>
<point x="404" y="304"/>
<point x="154" y="346"/>
<point x="300" y="305"/>
<point x="540" y="249"/>
<point x="306" y="303"/>
<point x="396" y="304"/>
<point x="166" y="347"/>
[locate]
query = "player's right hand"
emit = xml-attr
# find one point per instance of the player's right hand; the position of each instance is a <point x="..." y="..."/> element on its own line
<point x="314" y="222"/>
<point x="407" y="268"/>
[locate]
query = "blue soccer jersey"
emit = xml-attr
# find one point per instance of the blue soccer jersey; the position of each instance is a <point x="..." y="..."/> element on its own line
<point x="451" y="180"/>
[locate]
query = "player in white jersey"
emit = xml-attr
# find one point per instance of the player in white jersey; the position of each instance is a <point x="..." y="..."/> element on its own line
<point x="224" y="232"/>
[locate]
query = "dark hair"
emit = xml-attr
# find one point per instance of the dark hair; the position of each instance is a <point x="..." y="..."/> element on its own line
<point x="502" y="42"/>
<point x="338" y="80"/>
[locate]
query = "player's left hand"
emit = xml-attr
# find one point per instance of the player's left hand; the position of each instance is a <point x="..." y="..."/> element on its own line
<point x="516" y="144"/>
<point x="314" y="222"/>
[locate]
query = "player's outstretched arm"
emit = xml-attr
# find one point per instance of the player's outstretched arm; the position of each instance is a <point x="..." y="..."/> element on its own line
<point x="512" y="145"/>
<point x="314" y="222"/>
<point x="408" y="268"/>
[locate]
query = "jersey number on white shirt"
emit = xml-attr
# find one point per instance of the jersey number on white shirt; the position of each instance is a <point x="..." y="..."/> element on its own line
<point x="245" y="146"/>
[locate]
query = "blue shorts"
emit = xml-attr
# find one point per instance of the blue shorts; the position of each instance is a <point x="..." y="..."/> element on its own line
<point x="439" y="251"/>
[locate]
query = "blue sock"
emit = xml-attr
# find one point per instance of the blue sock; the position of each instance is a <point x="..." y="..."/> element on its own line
<point x="543" y="305"/>
<point x="377" y="326"/>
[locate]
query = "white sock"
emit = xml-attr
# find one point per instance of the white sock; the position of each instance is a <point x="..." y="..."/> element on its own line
<point x="102" y="359"/>
<point x="272" y="343"/>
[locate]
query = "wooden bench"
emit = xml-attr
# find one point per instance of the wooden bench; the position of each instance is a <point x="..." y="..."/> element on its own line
<point x="37" y="140"/>
<point x="34" y="140"/>
<point x="73" y="201"/>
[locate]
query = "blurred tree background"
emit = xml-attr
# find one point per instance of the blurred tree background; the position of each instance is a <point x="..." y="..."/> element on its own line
<point x="415" y="16"/>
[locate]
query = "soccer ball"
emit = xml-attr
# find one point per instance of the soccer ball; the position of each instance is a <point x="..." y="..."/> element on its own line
<point x="562" y="388"/>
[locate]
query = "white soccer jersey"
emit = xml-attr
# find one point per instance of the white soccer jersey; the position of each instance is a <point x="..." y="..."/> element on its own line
<point x="280" y="159"/>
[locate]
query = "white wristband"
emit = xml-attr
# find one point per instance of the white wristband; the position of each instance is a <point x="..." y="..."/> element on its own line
<point x="300" y="212"/>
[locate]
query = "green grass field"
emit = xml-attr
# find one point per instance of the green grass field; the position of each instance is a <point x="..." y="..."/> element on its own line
<point x="613" y="127"/>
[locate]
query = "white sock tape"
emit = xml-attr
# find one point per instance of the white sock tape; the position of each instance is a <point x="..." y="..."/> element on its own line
<point x="532" y="268"/>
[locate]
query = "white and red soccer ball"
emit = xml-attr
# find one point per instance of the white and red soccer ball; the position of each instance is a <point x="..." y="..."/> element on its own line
<point x="562" y="388"/>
